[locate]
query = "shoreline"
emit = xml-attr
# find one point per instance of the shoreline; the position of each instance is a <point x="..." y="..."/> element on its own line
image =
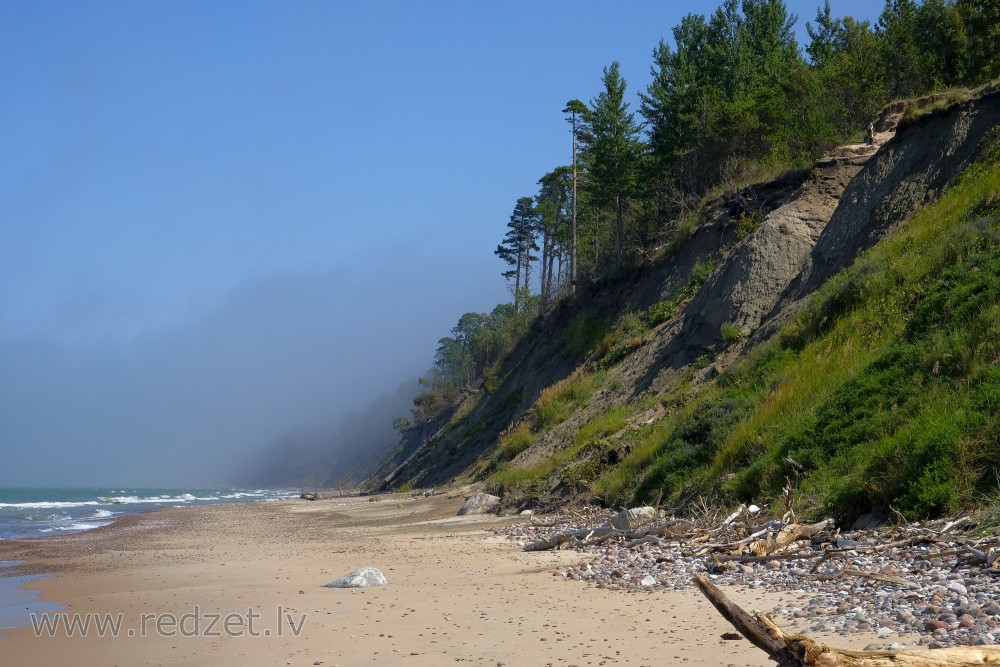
<point x="457" y="591"/>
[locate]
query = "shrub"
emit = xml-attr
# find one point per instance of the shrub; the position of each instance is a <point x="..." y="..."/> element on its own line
<point x="730" y="333"/>
<point x="584" y="333"/>
<point x="663" y="310"/>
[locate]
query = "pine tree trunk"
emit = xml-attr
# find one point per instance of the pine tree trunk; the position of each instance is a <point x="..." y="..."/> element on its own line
<point x="619" y="228"/>
<point x="517" y="283"/>
<point x="545" y="278"/>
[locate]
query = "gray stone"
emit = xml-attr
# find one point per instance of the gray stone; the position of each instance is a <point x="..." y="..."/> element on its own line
<point x="957" y="587"/>
<point x="637" y="517"/>
<point x="366" y="576"/>
<point x="478" y="503"/>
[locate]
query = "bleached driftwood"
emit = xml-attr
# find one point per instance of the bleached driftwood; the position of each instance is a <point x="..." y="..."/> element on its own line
<point x="585" y="536"/>
<point x="767" y="546"/>
<point x="800" y="651"/>
<point x="556" y="541"/>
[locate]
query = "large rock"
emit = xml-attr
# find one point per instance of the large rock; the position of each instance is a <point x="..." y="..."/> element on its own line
<point x="478" y="503"/>
<point x="637" y="517"/>
<point x="366" y="576"/>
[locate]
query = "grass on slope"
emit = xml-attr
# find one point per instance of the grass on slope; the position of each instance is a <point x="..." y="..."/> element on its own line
<point x="590" y="436"/>
<point x="885" y="389"/>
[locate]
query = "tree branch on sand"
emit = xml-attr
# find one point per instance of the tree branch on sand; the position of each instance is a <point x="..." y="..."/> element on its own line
<point x="798" y="650"/>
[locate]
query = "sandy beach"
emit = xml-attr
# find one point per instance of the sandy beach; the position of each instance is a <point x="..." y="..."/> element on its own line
<point x="242" y="584"/>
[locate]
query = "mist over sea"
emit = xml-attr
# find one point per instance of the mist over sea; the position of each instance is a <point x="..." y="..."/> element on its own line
<point x="58" y="511"/>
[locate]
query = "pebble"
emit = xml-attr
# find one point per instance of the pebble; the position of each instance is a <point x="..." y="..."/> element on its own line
<point x="944" y="602"/>
<point x="958" y="588"/>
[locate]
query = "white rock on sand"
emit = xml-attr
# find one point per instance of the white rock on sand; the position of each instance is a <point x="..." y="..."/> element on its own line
<point x="366" y="576"/>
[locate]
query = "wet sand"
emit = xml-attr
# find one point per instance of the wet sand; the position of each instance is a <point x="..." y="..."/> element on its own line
<point x="456" y="593"/>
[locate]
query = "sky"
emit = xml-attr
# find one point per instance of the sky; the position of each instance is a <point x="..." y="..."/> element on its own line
<point x="225" y="221"/>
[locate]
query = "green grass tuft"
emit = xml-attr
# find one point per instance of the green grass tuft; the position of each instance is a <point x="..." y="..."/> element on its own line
<point x="559" y="401"/>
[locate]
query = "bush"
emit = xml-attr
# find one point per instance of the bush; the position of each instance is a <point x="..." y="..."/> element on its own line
<point x="663" y="310"/>
<point x="730" y="333"/>
<point x="584" y="333"/>
<point x="691" y="445"/>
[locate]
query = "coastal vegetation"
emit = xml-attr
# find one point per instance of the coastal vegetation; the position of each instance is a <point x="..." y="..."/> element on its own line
<point x="880" y="393"/>
<point x="735" y="100"/>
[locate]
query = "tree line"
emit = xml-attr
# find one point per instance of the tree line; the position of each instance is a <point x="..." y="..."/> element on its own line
<point x="733" y="99"/>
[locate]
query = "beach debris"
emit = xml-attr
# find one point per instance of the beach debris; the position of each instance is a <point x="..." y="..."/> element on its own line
<point x="366" y="576"/>
<point x="580" y="537"/>
<point x="309" y="495"/>
<point x="790" y="650"/>
<point x="630" y="519"/>
<point x="911" y="583"/>
<point x="478" y="503"/>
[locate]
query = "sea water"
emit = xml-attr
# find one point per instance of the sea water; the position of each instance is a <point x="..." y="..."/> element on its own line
<point x="17" y="604"/>
<point x="40" y="512"/>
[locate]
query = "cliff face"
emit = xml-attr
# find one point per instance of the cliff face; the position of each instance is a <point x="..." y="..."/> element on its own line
<point x="806" y="231"/>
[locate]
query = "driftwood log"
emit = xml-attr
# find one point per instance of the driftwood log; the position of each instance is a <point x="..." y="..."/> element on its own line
<point x="587" y="536"/>
<point x="788" y="535"/>
<point x="798" y="650"/>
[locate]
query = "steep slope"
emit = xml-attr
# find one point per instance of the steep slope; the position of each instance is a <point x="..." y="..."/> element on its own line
<point x="619" y="390"/>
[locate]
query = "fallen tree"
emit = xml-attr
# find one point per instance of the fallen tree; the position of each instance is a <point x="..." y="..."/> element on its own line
<point x="790" y="650"/>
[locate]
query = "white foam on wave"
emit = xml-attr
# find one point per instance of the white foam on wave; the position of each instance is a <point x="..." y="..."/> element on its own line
<point x="44" y="517"/>
<point x="103" y="514"/>
<point x="80" y="525"/>
<point x="120" y="500"/>
<point x="48" y="505"/>
<point x="136" y="500"/>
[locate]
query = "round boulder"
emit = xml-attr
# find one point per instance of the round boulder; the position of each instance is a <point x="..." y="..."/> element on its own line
<point x="478" y="503"/>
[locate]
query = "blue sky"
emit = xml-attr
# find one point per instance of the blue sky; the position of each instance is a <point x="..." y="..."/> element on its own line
<point x="220" y="221"/>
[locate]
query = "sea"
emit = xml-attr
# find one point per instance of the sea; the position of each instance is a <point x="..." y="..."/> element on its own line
<point x="38" y="512"/>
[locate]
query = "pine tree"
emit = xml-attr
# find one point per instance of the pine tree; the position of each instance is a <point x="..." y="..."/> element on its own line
<point x="518" y="247"/>
<point x="554" y="197"/>
<point x="614" y="150"/>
